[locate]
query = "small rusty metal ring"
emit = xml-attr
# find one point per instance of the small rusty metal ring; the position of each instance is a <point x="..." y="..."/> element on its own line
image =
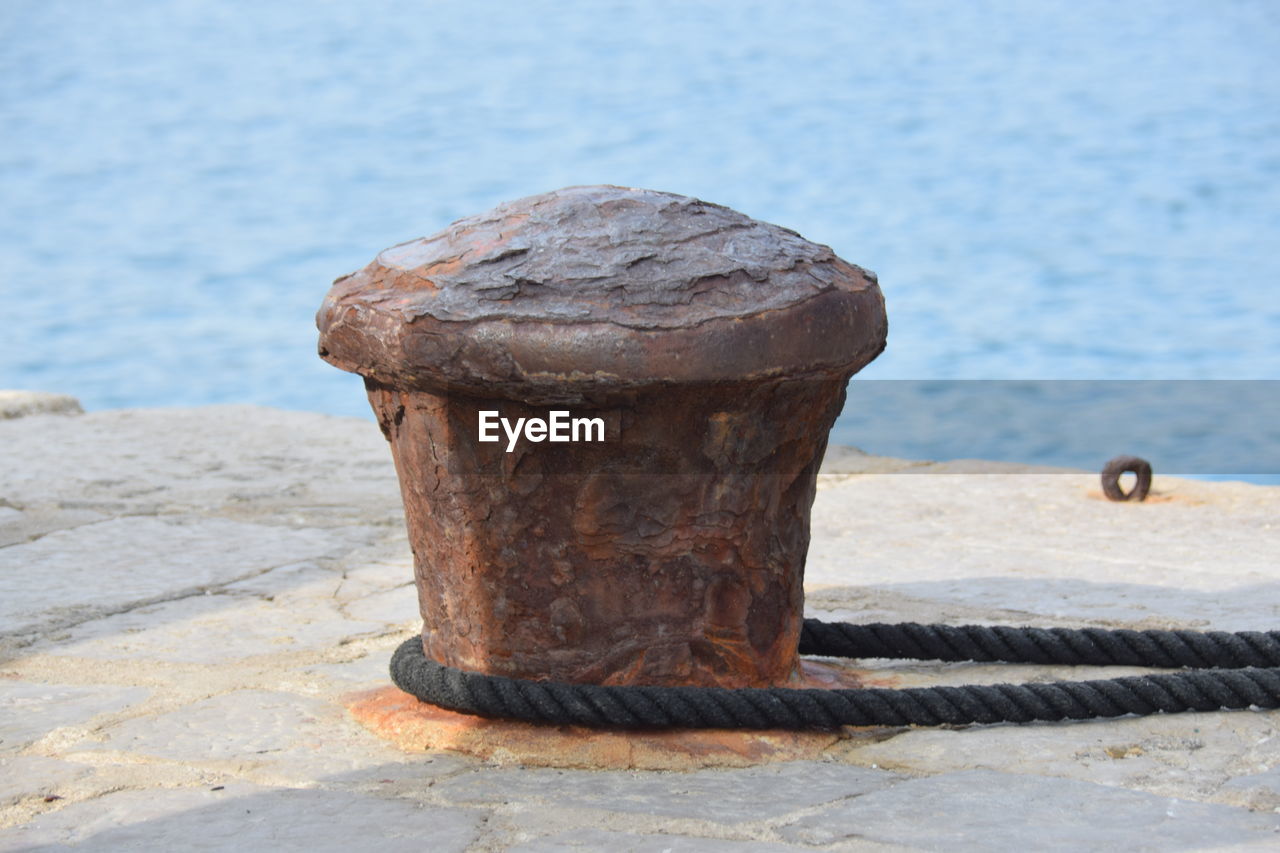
<point x="1126" y="465"/>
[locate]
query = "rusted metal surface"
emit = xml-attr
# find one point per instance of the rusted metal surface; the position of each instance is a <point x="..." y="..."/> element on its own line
<point x="594" y="290"/>
<point x="714" y="347"/>
<point x="1111" y="472"/>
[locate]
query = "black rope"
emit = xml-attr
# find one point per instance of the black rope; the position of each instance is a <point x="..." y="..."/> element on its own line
<point x="1231" y="671"/>
<point x="1069" y="646"/>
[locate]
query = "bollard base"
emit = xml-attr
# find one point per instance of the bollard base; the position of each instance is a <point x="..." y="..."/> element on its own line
<point x="416" y="726"/>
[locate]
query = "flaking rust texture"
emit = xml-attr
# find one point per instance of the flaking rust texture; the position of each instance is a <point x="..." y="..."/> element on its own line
<point x="716" y="350"/>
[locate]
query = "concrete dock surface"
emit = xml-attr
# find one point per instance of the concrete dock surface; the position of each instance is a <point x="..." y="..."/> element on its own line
<point x="189" y="598"/>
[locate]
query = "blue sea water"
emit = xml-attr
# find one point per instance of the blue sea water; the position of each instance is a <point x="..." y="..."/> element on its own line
<point x="1048" y="190"/>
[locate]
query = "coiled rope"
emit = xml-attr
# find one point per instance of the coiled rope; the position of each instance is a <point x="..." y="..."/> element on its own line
<point x="1228" y="671"/>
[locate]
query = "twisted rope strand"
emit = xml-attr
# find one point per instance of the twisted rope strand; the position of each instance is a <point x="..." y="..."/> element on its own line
<point x="1069" y="646"/>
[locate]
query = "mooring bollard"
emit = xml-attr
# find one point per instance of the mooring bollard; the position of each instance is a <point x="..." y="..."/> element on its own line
<point x="607" y="409"/>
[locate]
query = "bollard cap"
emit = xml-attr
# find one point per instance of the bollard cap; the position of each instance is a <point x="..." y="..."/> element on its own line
<point x="585" y="291"/>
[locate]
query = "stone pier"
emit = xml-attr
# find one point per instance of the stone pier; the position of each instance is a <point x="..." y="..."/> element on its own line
<point x="191" y="601"/>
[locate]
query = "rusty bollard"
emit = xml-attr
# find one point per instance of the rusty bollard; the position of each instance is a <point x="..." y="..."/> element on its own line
<point x="654" y="531"/>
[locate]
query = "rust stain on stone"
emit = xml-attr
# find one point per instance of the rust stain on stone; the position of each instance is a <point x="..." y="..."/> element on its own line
<point x="417" y="727"/>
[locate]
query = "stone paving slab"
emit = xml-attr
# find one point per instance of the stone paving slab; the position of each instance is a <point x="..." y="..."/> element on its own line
<point x="231" y="623"/>
<point x="597" y="839"/>
<point x="1260" y="791"/>
<point x="246" y="817"/>
<point x="189" y="597"/>
<point x="36" y="776"/>
<point x="1181" y="756"/>
<point x="33" y="709"/>
<point x="746" y="796"/>
<point x="986" y="810"/>
<point x="250" y="462"/>
<point x="108" y="567"/>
